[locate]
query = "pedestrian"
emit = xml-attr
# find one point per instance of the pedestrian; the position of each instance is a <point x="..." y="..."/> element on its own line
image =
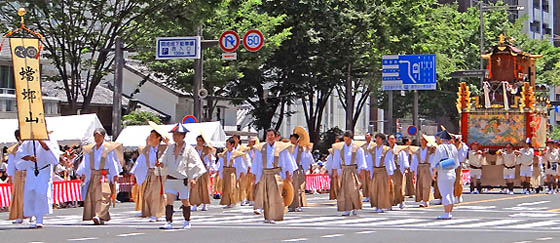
<point x="382" y="165"/>
<point x="402" y="164"/>
<point x="38" y="158"/>
<point x="149" y="178"/>
<point x="99" y="170"/>
<point x="443" y="170"/>
<point x="421" y="167"/>
<point x="183" y="166"/>
<point x="349" y="163"/>
<point x="17" y="175"/>
<point x="200" y="193"/>
<point x="231" y="166"/>
<point x="301" y="152"/>
<point x="525" y="157"/>
<point x="475" y="160"/>
<point x="273" y="166"/>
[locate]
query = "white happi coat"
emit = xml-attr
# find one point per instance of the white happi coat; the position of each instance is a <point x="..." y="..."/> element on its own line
<point x="37" y="194"/>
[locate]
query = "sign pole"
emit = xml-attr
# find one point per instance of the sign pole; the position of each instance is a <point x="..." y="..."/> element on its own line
<point x="390" y="114"/>
<point x="415" y="118"/>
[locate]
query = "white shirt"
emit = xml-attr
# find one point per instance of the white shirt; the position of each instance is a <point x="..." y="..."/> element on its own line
<point x="526" y="156"/>
<point x="306" y="159"/>
<point x="238" y="163"/>
<point x="360" y="159"/>
<point x="444" y="151"/>
<point x="389" y="160"/>
<point x="139" y="169"/>
<point x="285" y="161"/>
<point x="414" y="165"/>
<point x="403" y="160"/>
<point x="111" y="163"/>
<point x="463" y="152"/>
<point x="476" y="160"/>
<point x="208" y="159"/>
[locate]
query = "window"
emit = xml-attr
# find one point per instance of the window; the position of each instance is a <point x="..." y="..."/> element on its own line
<point x="545" y="6"/>
<point x="6" y="77"/>
<point x="537" y="4"/>
<point x="536" y="26"/>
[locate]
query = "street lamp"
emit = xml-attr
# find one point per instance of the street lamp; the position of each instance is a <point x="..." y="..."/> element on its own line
<point x="483" y="7"/>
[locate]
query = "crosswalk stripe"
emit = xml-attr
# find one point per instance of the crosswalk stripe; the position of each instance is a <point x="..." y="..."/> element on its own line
<point x="487" y="223"/>
<point x="349" y="221"/>
<point x="534" y="224"/>
<point x="230" y="218"/>
<point x="309" y="219"/>
<point x="393" y="222"/>
<point x="446" y="222"/>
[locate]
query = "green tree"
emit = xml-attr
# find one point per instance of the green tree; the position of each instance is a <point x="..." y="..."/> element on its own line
<point x="136" y="118"/>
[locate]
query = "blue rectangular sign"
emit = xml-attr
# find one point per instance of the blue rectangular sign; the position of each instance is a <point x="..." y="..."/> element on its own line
<point x="178" y="48"/>
<point x="409" y="72"/>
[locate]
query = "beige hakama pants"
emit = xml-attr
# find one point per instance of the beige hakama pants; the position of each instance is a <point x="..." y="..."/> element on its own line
<point x="200" y="193"/>
<point x="298" y="182"/>
<point x="139" y="195"/>
<point x="16" y="204"/>
<point x="98" y="198"/>
<point x="409" y="188"/>
<point x="398" y="182"/>
<point x="153" y="201"/>
<point x="365" y="185"/>
<point x="247" y="187"/>
<point x="458" y="186"/>
<point x="334" y="187"/>
<point x="230" y="187"/>
<point x="424" y="183"/>
<point x="349" y="196"/>
<point x="269" y="195"/>
<point x="380" y="189"/>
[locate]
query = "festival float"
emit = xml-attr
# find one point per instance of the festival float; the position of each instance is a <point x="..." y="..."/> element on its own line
<point x="509" y="110"/>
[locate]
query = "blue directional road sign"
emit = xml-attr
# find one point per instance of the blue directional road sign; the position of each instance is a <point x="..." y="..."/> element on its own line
<point x="178" y="48"/>
<point x="409" y="72"/>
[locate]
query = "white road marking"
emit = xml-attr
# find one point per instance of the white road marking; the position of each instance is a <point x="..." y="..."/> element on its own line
<point x="83" y="239"/>
<point x="130" y="234"/>
<point x="544" y="238"/>
<point x="332" y="236"/>
<point x="365" y="232"/>
<point x="311" y="219"/>
<point x="488" y="223"/>
<point x="535" y="224"/>
<point x="533" y="215"/>
<point x="447" y="222"/>
<point x="532" y="203"/>
<point x="295" y="240"/>
<point x="525" y="241"/>
<point x="348" y="221"/>
<point x="393" y="222"/>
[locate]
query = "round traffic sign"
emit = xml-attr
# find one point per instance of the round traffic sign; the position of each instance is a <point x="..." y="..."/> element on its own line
<point x="229" y="41"/>
<point x="189" y="119"/>
<point x="412" y="130"/>
<point x="253" y="40"/>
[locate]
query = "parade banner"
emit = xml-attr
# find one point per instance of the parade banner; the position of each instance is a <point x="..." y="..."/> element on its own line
<point x="31" y="116"/>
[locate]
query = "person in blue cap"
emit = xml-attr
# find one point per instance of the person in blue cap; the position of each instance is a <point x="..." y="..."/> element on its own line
<point x="445" y="176"/>
<point x="183" y="166"/>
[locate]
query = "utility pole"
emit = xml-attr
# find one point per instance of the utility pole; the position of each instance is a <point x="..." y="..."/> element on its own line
<point x="117" y="88"/>
<point x="481" y="6"/>
<point x="389" y="119"/>
<point x="415" y="117"/>
<point x="197" y="85"/>
<point x="349" y="100"/>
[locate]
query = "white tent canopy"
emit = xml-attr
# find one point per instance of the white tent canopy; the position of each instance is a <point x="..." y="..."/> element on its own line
<point x="67" y="130"/>
<point x="133" y="136"/>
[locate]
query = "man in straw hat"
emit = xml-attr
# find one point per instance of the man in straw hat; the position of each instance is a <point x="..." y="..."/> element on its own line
<point x="99" y="169"/>
<point x="550" y="162"/>
<point x="231" y="166"/>
<point x="348" y="161"/>
<point x="200" y="194"/>
<point x="38" y="158"/>
<point x="525" y="157"/>
<point x="16" y="175"/>
<point x="382" y="165"/>
<point x="300" y="151"/>
<point x="366" y="180"/>
<point x="273" y="166"/>
<point x="445" y="177"/>
<point x="248" y="184"/>
<point x="335" y="180"/>
<point x="402" y="164"/>
<point x="152" y="197"/>
<point x="183" y="166"/>
<point x="462" y="150"/>
<point x="421" y="167"/>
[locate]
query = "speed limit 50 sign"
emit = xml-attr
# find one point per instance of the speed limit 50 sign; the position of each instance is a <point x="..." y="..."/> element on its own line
<point x="253" y="40"/>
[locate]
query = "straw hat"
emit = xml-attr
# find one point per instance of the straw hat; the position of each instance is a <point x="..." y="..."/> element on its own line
<point x="158" y="129"/>
<point x="304" y="139"/>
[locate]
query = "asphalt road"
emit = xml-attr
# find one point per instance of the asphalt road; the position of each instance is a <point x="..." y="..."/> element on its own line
<point x="480" y="218"/>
